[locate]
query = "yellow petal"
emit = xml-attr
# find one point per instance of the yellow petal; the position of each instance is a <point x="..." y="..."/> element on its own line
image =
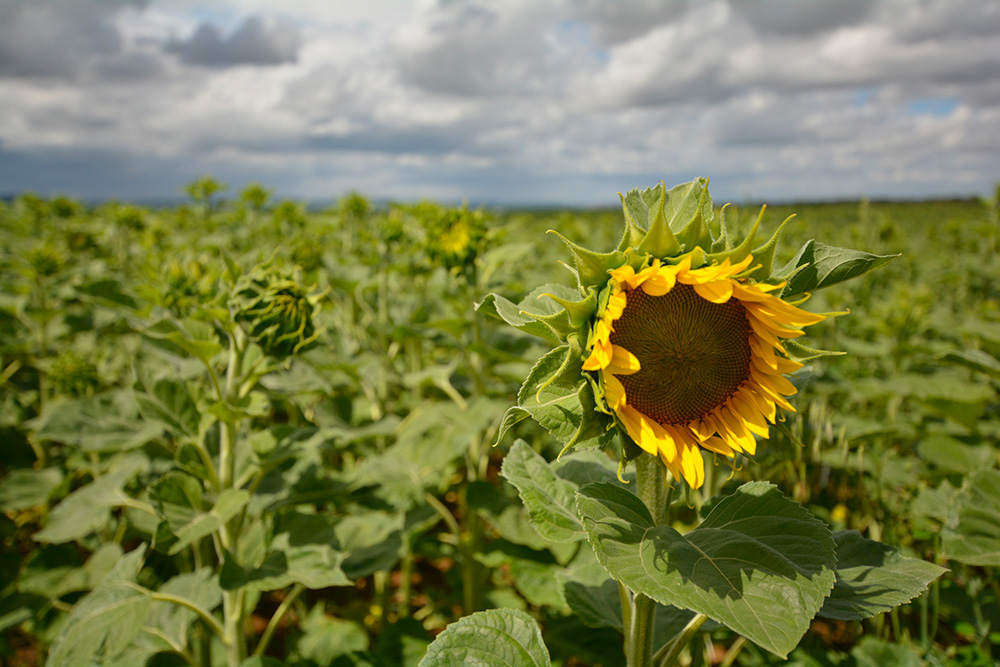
<point x="599" y="357"/>
<point x="718" y="291"/>
<point x="614" y="391"/>
<point x="622" y="362"/>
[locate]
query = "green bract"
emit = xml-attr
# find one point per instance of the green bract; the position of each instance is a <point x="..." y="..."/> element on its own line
<point x="275" y="311"/>
<point x="668" y="225"/>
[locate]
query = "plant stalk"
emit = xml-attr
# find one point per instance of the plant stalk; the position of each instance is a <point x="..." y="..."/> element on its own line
<point x="651" y="489"/>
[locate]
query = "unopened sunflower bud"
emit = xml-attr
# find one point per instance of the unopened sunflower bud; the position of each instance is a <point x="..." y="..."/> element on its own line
<point x="275" y="311"/>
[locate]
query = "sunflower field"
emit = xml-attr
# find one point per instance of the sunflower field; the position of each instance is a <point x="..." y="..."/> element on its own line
<point x="245" y="432"/>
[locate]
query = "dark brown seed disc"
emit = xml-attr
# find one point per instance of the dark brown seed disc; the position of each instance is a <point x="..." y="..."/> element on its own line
<point x="694" y="354"/>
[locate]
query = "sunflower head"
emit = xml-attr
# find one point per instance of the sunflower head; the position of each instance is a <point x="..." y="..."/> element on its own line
<point x="275" y="311"/>
<point x="679" y="339"/>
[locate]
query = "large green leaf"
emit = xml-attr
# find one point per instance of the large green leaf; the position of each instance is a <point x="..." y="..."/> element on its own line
<point x="494" y="638"/>
<point x="303" y="549"/>
<point x="103" y="423"/>
<point x="87" y="509"/>
<point x="972" y="536"/>
<point x="549" y="498"/>
<point x="873" y="578"/>
<point x="170" y="403"/>
<point x="759" y="563"/>
<point x="817" y="265"/>
<point x="105" y="620"/>
<point x="325" y="638"/>
<point x="173" y="621"/>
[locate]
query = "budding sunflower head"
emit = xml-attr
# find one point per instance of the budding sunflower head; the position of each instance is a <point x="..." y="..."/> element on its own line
<point x="276" y="312"/>
<point x="679" y="339"/>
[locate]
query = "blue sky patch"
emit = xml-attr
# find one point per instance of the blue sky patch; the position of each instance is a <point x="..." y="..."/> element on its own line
<point x="931" y="106"/>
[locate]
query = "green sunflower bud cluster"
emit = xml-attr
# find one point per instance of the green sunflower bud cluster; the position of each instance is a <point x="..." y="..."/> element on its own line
<point x="275" y="311"/>
<point x="46" y="259"/>
<point x="73" y="375"/>
<point x="669" y="236"/>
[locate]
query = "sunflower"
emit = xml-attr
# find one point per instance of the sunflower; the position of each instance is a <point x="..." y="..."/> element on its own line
<point x="678" y="339"/>
<point x="687" y="359"/>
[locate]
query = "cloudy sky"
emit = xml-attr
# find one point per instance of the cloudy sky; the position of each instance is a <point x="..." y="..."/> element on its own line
<point x="501" y="101"/>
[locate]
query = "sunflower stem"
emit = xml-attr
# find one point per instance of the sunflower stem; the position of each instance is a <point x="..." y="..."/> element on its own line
<point x="651" y="489"/>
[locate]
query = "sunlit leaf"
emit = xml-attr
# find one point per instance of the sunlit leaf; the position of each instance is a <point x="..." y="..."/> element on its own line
<point x="494" y="638"/>
<point x="759" y="563"/>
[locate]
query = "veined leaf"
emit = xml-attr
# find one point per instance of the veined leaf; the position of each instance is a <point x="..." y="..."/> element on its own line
<point x="873" y="578"/>
<point x="759" y="563"/>
<point x="817" y="265"/>
<point x="549" y="498"/>
<point x="105" y="620"/>
<point x="494" y="638"/>
<point x="972" y="536"/>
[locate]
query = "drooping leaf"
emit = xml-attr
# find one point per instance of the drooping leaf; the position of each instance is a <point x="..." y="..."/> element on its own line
<point x="759" y="563"/>
<point x="105" y="620"/>
<point x="494" y="638"/>
<point x="817" y="265"/>
<point x="873" y="578"/>
<point x="972" y="536"/>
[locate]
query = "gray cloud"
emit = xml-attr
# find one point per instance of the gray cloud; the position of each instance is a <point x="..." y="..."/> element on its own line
<point x="54" y="39"/>
<point x="257" y="41"/>
<point x="801" y="17"/>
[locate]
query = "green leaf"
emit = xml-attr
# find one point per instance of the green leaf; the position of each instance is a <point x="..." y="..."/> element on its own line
<point x="324" y="638"/>
<point x="591" y="267"/>
<point x="494" y="638"/>
<point x="200" y="587"/>
<point x="99" y="424"/>
<point x="539" y="314"/>
<point x="26" y="488"/>
<point x="170" y="404"/>
<point x="261" y="661"/>
<point x="818" y="265"/>
<point x="105" y="620"/>
<point x="972" y="536"/>
<point x="799" y="352"/>
<point x="108" y="292"/>
<point x="759" y="563"/>
<point x="188" y="523"/>
<point x="951" y="455"/>
<point x="873" y="578"/>
<point x="646" y="212"/>
<point x="303" y="549"/>
<point x="372" y="542"/>
<point x="86" y="510"/>
<point x="977" y="360"/>
<point x="596" y="606"/>
<point x="689" y="210"/>
<point x="875" y="652"/>
<point x="549" y="499"/>
<point x="188" y="337"/>
<point x="553" y="397"/>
